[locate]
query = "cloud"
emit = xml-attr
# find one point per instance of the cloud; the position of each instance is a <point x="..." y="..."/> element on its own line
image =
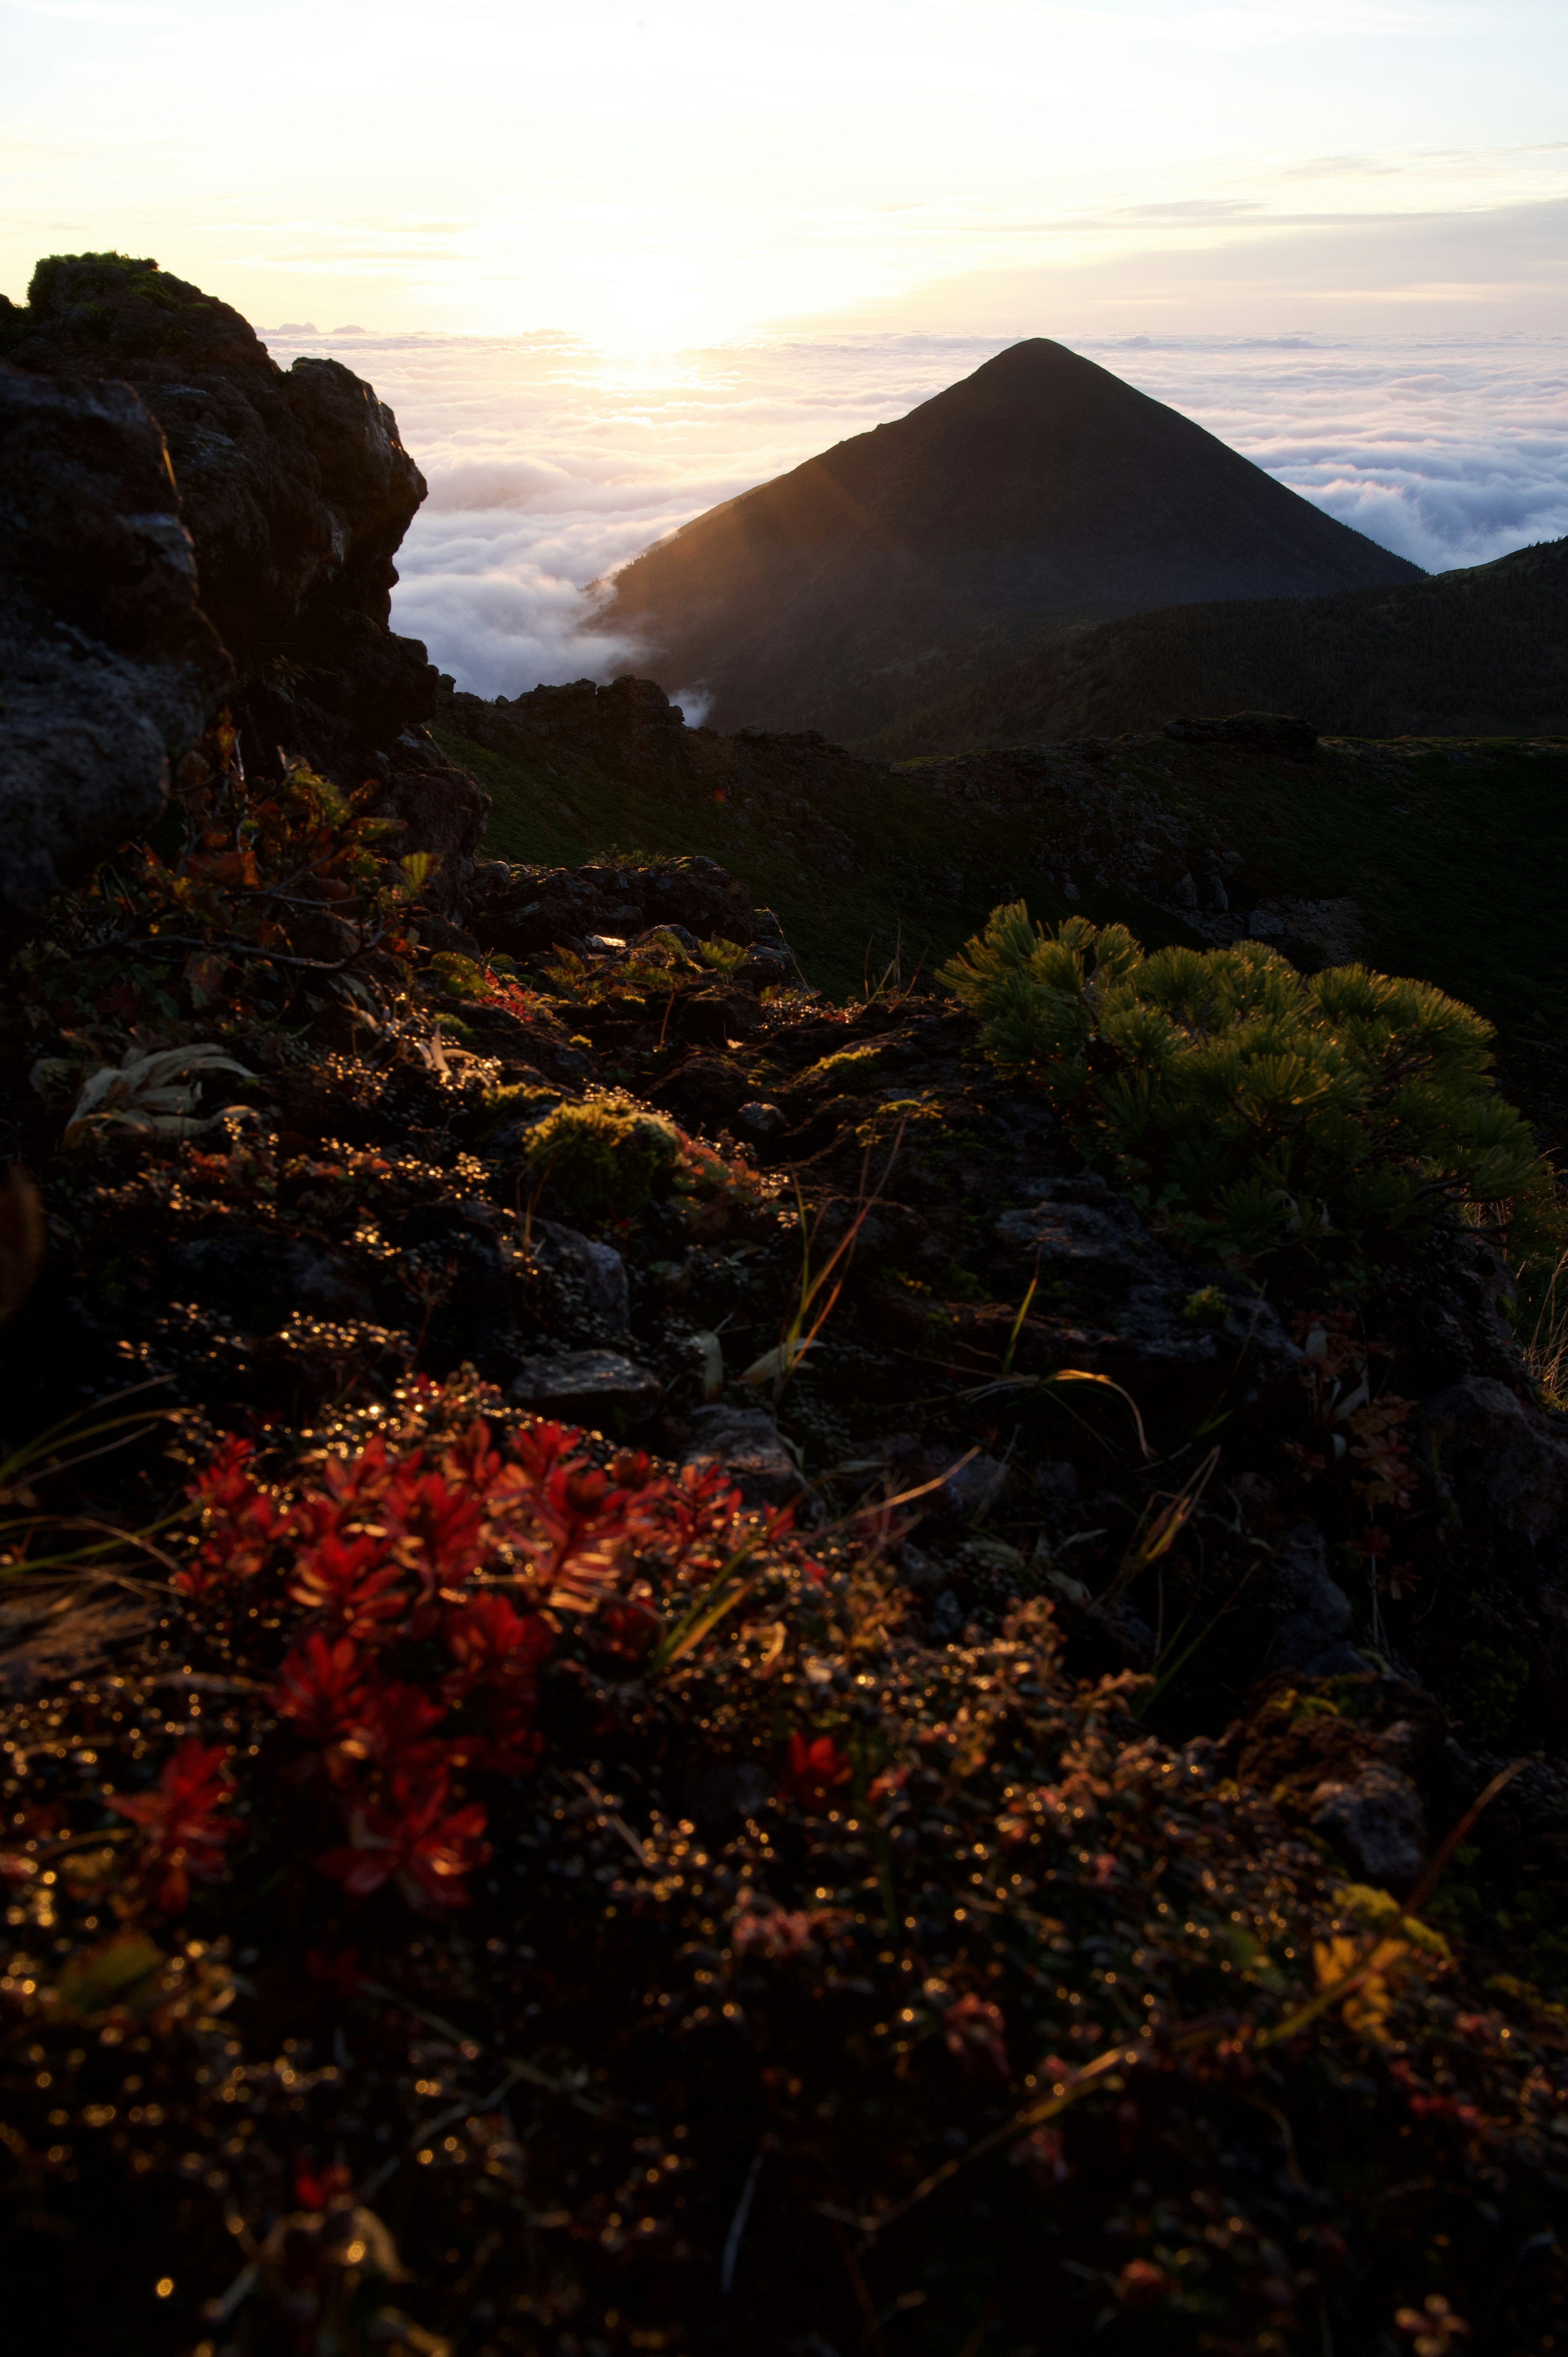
<point x="549" y="467"/>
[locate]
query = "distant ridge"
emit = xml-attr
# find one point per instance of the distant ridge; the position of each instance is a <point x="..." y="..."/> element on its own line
<point x="1039" y="493"/>
<point x="1483" y="651"/>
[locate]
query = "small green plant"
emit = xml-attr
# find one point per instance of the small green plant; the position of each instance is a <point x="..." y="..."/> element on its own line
<point x="847" y="1066"/>
<point x="1494" y="1678"/>
<point x="603" y="1155"/>
<point x="1262" y="1105"/>
<point x="724" y="956"/>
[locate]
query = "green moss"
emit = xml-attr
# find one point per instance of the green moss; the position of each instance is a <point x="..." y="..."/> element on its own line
<point x="845" y="1069"/>
<point x="603" y="1155"/>
<point x="1492" y="1679"/>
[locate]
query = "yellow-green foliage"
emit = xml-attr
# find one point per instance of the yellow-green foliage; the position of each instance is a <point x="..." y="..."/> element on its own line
<point x="603" y="1155"/>
<point x="848" y="1066"/>
<point x="1271" y="1104"/>
<point x="460" y="977"/>
<point x="724" y="955"/>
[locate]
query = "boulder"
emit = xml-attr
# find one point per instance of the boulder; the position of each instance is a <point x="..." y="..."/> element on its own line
<point x="109" y="669"/>
<point x="1083" y="1231"/>
<point x="746" y="1442"/>
<point x="1378" y="1820"/>
<point x="583" y="1385"/>
<point x="1500" y="1457"/>
<point x="297" y="491"/>
<point x="598" y="1268"/>
<point x="1313" y="1634"/>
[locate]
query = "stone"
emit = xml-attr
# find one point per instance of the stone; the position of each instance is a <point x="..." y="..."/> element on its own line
<point x="1500" y="1458"/>
<point x="110" y="670"/>
<point x="716" y="1016"/>
<point x="584" y="1386"/>
<point x="972" y="1487"/>
<point x="746" y="1442"/>
<point x="1314" y="1614"/>
<point x="1378" y="1820"/>
<point x="768" y="963"/>
<point x="1279" y="733"/>
<point x="597" y="1267"/>
<point x="1100" y="1243"/>
<point x="1080" y="1222"/>
<point x="297" y="490"/>
<point x="762" y="1119"/>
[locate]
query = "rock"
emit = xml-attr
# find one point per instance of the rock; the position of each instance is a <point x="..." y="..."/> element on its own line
<point x="1279" y="733"/>
<point x="1142" y="1292"/>
<point x="716" y="1016"/>
<point x="1314" y="1615"/>
<point x="768" y="963"/>
<point x="1184" y="893"/>
<point x="297" y="491"/>
<point x="111" y="671"/>
<point x="1501" y="1460"/>
<point x="1080" y="1222"/>
<point x="261" y="1278"/>
<point x="762" y="1119"/>
<point x="1378" y="1820"/>
<point x="1311" y="933"/>
<point x="972" y="1488"/>
<point x="745" y="1443"/>
<point x="543" y="909"/>
<point x="598" y="1268"/>
<point x="586" y="1384"/>
<point x="655" y="934"/>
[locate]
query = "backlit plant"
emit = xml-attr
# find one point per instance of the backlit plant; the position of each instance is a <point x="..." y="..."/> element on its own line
<point x="1263" y="1104"/>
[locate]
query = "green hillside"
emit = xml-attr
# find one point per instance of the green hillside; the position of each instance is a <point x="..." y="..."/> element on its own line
<point x="1482" y="651"/>
<point x="1454" y="850"/>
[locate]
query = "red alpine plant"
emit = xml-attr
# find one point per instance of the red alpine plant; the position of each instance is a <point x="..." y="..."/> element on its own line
<point x="418" y="1841"/>
<point x="185" y="1823"/>
<point x="815" y="1773"/>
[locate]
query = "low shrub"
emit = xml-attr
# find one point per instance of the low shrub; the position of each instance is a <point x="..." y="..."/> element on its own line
<point x="603" y="1155"/>
<point x="1259" y="1104"/>
<point x="505" y="1860"/>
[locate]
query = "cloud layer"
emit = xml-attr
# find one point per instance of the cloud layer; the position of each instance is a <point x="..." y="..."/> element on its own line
<point x="548" y="466"/>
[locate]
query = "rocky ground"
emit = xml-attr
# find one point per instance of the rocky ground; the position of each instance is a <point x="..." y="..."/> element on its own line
<point x="1290" y="1535"/>
<point x="675" y="1674"/>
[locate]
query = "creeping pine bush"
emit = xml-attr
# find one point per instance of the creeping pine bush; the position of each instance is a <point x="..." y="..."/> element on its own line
<point x="603" y="1155"/>
<point x="1265" y="1104"/>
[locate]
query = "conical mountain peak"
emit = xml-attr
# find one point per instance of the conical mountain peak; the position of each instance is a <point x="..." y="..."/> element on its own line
<point x="1040" y="492"/>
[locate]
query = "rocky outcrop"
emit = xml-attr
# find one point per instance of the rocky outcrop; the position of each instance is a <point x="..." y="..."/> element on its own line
<point x="295" y="491"/>
<point x="109" y="669"/>
<point x="524" y="910"/>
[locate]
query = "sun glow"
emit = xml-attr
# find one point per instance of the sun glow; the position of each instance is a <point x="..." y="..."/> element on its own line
<point x="651" y="179"/>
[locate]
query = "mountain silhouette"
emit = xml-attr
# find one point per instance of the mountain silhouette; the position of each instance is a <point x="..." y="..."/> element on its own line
<point x="1039" y="493"/>
<point x="1482" y="651"/>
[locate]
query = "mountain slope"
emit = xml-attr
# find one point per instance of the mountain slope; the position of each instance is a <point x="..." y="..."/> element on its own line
<point x="1481" y="651"/>
<point x="1039" y="493"/>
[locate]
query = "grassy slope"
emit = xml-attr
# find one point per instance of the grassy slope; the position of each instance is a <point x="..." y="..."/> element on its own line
<point x="1456" y="851"/>
<point x="844" y="928"/>
<point x="1458" y="859"/>
<point x="1467" y="652"/>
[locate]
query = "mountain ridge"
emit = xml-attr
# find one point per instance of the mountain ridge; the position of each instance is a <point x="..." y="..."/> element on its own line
<point x="1039" y="492"/>
<point x="1482" y="650"/>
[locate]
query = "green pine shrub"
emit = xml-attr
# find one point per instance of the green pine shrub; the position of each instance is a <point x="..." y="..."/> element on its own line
<point x="1258" y="1104"/>
<point x="603" y="1155"/>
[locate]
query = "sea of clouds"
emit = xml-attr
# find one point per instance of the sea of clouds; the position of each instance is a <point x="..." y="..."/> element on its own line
<point x="550" y="464"/>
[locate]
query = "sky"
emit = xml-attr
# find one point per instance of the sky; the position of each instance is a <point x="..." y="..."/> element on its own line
<point x="636" y="256"/>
